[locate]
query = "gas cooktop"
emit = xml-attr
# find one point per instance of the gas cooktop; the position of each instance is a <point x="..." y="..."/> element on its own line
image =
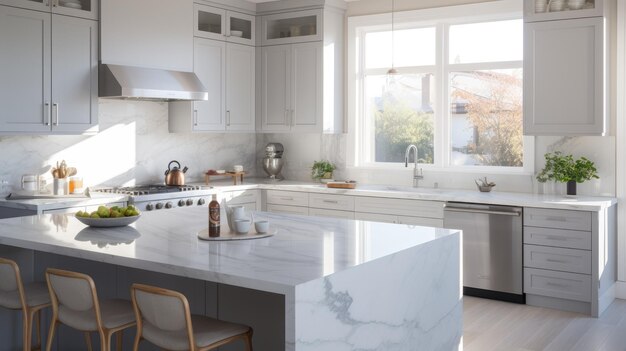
<point x="150" y="189"/>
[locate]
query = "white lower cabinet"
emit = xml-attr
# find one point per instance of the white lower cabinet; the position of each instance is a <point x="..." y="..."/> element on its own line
<point x="249" y="199"/>
<point x="564" y="265"/>
<point x="288" y="209"/>
<point x="386" y="210"/>
<point x="320" y="212"/>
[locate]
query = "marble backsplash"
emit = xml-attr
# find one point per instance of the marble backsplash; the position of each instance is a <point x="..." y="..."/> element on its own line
<point x="132" y="147"/>
<point x="302" y="149"/>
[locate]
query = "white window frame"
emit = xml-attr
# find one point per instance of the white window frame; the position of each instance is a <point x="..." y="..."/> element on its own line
<point x="442" y="18"/>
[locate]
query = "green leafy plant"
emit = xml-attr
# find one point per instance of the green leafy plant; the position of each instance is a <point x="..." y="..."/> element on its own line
<point x="322" y="169"/>
<point x="563" y="168"/>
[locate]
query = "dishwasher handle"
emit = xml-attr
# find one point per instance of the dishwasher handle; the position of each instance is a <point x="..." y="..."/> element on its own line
<point x="471" y="210"/>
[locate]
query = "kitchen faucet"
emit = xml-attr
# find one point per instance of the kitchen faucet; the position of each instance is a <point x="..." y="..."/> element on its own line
<point x="417" y="173"/>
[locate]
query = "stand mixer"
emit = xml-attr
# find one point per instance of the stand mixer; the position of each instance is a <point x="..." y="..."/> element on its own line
<point x="273" y="162"/>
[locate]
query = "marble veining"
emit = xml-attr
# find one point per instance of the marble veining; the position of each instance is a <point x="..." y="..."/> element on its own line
<point x="348" y="285"/>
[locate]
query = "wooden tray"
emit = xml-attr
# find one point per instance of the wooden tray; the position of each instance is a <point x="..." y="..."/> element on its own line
<point x="348" y="184"/>
<point x="228" y="235"/>
<point x="235" y="175"/>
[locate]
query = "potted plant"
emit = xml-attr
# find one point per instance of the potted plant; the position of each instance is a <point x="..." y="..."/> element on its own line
<point x="322" y="170"/>
<point x="565" y="169"/>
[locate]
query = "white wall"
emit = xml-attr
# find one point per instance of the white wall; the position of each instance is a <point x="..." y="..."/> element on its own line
<point x="133" y="147"/>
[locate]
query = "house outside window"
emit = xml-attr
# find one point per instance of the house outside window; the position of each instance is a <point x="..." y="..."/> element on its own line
<point x="457" y="95"/>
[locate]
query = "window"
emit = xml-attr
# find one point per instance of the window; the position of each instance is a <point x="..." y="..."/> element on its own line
<point x="457" y="95"/>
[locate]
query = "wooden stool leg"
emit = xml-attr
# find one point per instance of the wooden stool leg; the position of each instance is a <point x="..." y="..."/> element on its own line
<point x="105" y="341"/>
<point x="53" y="325"/>
<point x="137" y="341"/>
<point x="88" y="341"/>
<point x="38" y="321"/>
<point x="27" y="329"/>
<point x="118" y="338"/>
<point x="249" y="340"/>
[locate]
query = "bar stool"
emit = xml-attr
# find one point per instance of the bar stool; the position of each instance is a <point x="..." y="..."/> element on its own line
<point x="31" y="299"/>
<point x="164" y="319"/>
<point x="75" y="304"/>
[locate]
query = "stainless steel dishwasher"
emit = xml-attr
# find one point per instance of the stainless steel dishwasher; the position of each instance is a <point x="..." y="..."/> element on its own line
<point x="492" y="249"/>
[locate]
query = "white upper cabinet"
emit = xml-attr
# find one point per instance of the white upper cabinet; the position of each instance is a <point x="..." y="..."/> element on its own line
<point x="227" y="71"/>
<point x="76" y="8"/>
<point x="301" y="80"/>
<point x="565" y="77"/>
<point x="291" y="27"/>
<point x="292" y="88"/>
<point x="51" y="61"/>
<point x="240" y="89"/>
<point x="536" y="11"/>
<point x="219" y="24"/>
<point x="74" y="74"/>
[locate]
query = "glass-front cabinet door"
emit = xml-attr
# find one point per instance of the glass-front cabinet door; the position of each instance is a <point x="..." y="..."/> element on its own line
<point x="547" y="10"/>
<point x="240" y="28"/>
<point x="76" y="8"/>
<point x="209" y="22"/>
<point x="215" y="23"/>
<point x="292" y="27"/>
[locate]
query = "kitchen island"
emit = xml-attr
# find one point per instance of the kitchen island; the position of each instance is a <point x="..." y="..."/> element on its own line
<point x="340" y="284"/>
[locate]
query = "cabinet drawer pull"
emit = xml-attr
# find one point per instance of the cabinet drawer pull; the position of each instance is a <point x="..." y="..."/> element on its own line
<point x="47" y="113"/>
<point x="56" y="113"/>
<point x="555" y="238"/>
<point x="195" y="117"/>
<point x="228" y="118"/>
<point x="287" y="198"/>
<point x="556" y="219"/>
<point x="330" y="201"/>
<point x="555" y="261"/>
<point x="564" y="286"/>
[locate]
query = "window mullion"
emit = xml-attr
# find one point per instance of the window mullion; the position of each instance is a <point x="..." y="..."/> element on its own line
<point x="443" y="116"/>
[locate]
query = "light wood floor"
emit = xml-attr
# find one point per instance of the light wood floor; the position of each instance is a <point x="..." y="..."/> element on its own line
<point x="494" y="325"/>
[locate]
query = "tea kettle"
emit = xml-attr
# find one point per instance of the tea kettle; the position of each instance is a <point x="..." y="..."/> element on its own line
<point x="175" y="176"/>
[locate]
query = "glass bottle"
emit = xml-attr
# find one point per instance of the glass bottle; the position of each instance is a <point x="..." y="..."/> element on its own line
<point x="214" y="217"/>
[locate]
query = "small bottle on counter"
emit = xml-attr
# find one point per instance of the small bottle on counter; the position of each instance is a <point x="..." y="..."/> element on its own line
<point x="214" y="217"/>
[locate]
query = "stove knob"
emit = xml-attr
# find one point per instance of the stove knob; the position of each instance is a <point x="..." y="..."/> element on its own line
<point x="201" y="202"/>
<point x="159" y="206"/>
<point x="181" y="203"/>
<point x="189" y="202"/>
<point x="149" y="207"/>
<point x="168" y="204"/>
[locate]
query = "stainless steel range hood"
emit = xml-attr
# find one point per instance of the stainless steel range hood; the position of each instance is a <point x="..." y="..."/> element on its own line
<point x="128" y="82"/>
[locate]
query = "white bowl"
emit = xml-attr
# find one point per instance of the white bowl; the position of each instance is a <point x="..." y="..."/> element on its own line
<point x="236" y="33"/>
<point x="242" y="226"/>
<point x="262" y="227"/>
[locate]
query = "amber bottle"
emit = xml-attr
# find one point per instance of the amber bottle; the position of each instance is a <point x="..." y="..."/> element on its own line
<point x="214" y="217"/>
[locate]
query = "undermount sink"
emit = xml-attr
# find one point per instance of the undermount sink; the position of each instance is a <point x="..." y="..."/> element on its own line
<point x="405" y="189"/>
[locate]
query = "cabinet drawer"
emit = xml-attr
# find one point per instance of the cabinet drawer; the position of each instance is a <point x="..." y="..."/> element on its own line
<point x="288" y="209"/>
<point x="560" y="219"/>
<point x="331" y="213"/>
<point x="333" y="202"/>
<point x="562" y="285"/>
<point x="558" y="259"/>
<point x="422" y="221"/>
<point x="241" y="197"/>
<point x="573" y="239"/>
<point x="375" y="217"/>
<point x="292" y="198"/>
<point x="399" y="207"/>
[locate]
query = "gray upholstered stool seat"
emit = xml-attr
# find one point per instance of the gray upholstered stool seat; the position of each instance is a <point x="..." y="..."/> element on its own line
<point x="163" y="318"/>
<point x="30" y="298"/>
<point x="75" y="303"/>
<point x="36" y="294"/>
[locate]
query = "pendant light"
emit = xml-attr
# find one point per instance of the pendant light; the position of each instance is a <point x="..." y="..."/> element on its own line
<point x="392" y="71"/>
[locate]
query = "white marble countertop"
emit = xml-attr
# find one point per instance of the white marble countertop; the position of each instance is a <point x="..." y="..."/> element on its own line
<point x="61" y="202"/>
<point x="581" y="203"/>
<point x="303" y="248"/>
